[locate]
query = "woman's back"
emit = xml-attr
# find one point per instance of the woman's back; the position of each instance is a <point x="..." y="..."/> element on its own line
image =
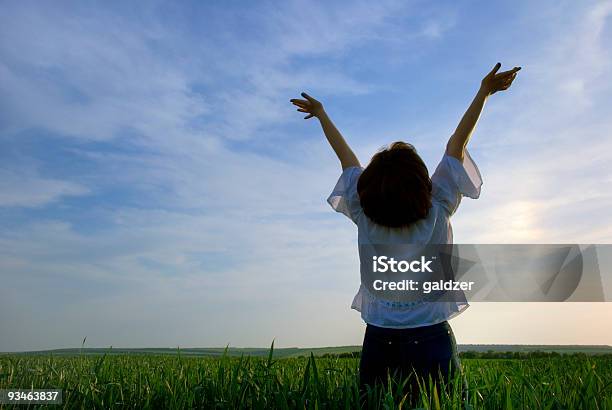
<point x="451" y="180"/>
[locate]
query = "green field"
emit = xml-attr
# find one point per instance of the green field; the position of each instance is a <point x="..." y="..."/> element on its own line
<point x="317" y="351"/>
<point x="179" y="381"/>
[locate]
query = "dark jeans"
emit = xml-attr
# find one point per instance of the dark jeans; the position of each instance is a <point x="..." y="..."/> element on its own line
<point x="428" y="351"/>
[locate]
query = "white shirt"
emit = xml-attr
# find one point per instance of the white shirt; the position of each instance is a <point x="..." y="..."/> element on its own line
<point x="450" y="182"/>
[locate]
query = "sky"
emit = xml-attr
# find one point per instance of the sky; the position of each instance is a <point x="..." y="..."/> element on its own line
<point x="157" y="188"/>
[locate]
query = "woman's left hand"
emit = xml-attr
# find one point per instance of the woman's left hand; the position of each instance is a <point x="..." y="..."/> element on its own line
<point x="311" y="106"/>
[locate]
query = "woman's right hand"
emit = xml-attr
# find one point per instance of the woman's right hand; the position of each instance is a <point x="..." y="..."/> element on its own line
<point x="311" y="106"/>
<point x="494" y="82"/>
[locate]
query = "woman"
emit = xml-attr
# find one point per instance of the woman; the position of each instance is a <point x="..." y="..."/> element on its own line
<point x="394" y="201"/>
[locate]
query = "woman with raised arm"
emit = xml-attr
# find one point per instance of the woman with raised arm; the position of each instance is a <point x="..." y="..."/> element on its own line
<point x="394" y="201"/>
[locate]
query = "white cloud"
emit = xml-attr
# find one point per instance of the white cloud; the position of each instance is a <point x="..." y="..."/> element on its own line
<point x="545" y="146"/>
<point x="94" y="78"/>
<point x="89" y="76"/>
<point x="30" y="190"/>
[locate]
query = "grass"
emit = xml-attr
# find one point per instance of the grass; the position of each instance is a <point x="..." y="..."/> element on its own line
<point x="177" y="382"/>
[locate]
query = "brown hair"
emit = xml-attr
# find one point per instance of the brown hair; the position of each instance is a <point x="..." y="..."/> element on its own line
<point x="395" y="188"/>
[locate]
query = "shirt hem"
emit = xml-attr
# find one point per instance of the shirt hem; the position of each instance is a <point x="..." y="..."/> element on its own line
<point x="430" y="323"/>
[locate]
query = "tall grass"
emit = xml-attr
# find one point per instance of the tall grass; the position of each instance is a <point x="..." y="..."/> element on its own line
<point x="177" y="382"/>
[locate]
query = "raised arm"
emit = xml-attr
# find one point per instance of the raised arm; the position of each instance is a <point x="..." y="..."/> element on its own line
<point x="314" y="108"/>
<point x="492" y="83"/>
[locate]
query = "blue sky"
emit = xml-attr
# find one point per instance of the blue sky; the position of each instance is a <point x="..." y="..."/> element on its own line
<point x="158" y="189"/>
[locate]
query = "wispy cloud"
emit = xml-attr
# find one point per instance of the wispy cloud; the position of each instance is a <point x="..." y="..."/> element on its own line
<point x="17" y="189"/>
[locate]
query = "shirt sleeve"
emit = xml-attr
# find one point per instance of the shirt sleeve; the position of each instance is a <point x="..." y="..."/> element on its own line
<point x="453" y="179"/>
<point x="344" y="197"/>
